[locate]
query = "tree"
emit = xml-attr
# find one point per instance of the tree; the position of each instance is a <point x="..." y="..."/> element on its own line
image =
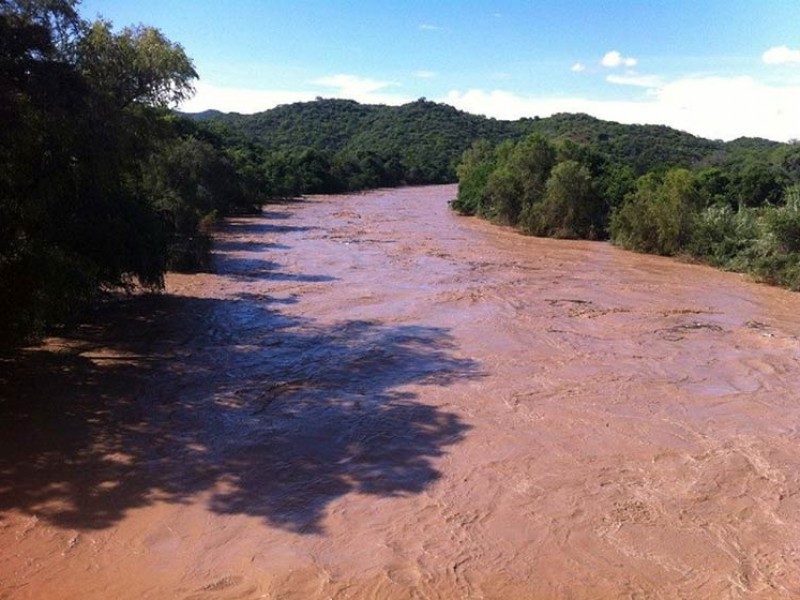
<point x="518" y="181"/>
<point x="658" y="216"/>
<point x="570" y="206"/>
<point x="138" y="65"/>
<point x="477" y="163"/>
<point x="82" y="109"/>
<point x="758" y="183"/>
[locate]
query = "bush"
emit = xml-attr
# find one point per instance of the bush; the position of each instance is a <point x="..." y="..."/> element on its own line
<point x="725" y="237"/>
<point x="476" y="166"/>
<point x="778" y="259"/>
<point x="569" y="208"/>
<point x="658" y="217"/>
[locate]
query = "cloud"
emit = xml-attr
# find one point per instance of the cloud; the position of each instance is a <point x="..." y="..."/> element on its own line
<point x="240" y="100"/>
<point x="729" y="107"/>
<point x="646" y="81"/>
<point x="712" y="107"/>
<point x="781" y="55"/>
<point x="361" y="89"/>
<point x="353" y="84"/>
<point x="247" y="101"/>
<point x="503" y="104"/>
<point x="429" y="27"/>
<point x="424" y="74"/>
<point x="614" y="59"/>
<point x="578" y="68"/>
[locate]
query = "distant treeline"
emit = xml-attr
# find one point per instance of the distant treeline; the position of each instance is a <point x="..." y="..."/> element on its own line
<point x="331" y="146"/>
<point x="737" y="208"/>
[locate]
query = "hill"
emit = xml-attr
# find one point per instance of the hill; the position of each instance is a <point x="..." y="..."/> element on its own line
<point x="430" y="137"/>
<point x="331" y="145"/>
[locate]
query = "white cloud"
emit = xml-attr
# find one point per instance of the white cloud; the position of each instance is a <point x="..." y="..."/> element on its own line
<point x="646" y="81"/>
<point x="361" y="89"/>
<point x="424" y="74"/>
<point x="713" y="107"/>
<point x="246" y="101"/>
<point x="240" y="100"/>
<point x="353" y="84"/>
<point x="614" y="59"/>
<point x="503" y="104"/>
<point x="578" y="67"/>
<point x="429" y="27"/>
<point x="781" y="55"/>
<point x="729" y="107"/>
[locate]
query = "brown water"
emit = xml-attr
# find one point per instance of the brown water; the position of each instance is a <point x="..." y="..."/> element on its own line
<point x="375" y="398"/>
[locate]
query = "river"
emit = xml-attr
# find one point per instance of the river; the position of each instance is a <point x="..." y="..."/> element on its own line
<point x="372" y="397"/>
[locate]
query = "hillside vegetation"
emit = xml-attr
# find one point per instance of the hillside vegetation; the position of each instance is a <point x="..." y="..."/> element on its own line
<point x="332" y="145"/>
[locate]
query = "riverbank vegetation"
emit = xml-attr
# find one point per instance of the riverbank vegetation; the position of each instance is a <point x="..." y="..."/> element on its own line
<point x="101" y="185"/>
<point x="736" y="207"/>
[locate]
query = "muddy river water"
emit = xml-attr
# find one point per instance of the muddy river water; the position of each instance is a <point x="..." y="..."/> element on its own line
<point x="372" y="397"/>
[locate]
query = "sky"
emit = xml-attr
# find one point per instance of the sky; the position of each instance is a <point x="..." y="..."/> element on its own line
<point x="718" y="69"/>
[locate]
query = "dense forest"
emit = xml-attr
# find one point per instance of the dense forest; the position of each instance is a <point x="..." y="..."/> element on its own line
<point x="104" y="186"/>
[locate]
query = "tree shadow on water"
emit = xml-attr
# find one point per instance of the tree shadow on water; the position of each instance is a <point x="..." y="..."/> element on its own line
<point x="231" y="401"/>
<point x="253" y="268"/>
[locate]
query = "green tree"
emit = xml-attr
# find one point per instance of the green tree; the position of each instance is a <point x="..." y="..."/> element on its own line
<point x="714" y="184"/>
<point x="518" y="182"/>
<point x="73" y="148"/>
<point x="659" y="215"/>
<point x="138" y="65"/>
<point x="532" y="160"/>
<point x="477" y="164"/>
<point x="570" y="208"/>
<point x="757" y="183"/>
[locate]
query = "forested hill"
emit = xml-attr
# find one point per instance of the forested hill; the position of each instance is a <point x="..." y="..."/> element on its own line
<point x="643" y="147"/>
<point x="420" y="142"/>
<point x="426" y="139"/>
<point x="336" y="125"/>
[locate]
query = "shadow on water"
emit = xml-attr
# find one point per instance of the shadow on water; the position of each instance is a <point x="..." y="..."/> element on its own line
<point x="233" y="245"/>
<point x="257" y="228"/>
<point x="267" y="414"/>
<point x="244" y="268"/>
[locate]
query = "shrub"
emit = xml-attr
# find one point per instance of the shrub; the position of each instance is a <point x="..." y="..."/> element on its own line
<point x="658" y="217"/>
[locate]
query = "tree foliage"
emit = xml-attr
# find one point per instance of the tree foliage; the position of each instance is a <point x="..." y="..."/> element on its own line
<point x="95" y="188"/>
<point x="570" y="208"/>
<point x="733" y="205"/>
<point x="137" y="65"/>
<point x="658" y="216"/>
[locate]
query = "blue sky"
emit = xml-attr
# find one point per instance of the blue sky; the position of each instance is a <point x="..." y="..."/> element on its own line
<point x="720" y="69"/>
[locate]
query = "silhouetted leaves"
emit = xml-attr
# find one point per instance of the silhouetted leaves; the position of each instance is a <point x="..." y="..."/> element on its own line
<point x="100" y="186"/>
